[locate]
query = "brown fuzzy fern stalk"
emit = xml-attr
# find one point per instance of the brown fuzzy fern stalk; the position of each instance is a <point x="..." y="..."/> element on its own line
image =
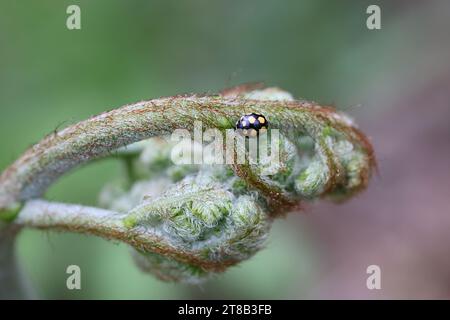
<point x="189" y="221"/>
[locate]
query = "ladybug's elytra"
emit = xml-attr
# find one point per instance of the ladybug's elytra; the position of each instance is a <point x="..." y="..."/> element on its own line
<point x="251" y="125"/>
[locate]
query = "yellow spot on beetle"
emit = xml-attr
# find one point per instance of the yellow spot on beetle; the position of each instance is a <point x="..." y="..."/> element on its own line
<point x="251" y="119"/>
<point x="261" y="120"/>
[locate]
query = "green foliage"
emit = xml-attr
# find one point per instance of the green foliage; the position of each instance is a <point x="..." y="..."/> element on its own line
<point x="10" y="213"/>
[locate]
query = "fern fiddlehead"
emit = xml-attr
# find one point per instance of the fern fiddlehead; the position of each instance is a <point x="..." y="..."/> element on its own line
<point x="188" y="221"/>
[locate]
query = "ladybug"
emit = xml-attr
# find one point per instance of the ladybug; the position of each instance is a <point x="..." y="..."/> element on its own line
<point x="251" y="125"/>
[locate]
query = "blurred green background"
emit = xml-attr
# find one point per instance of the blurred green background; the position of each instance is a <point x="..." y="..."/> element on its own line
<point x="127" y="51"/>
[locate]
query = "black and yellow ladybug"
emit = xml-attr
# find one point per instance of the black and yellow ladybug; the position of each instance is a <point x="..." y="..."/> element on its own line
<point x="251" y="125"/>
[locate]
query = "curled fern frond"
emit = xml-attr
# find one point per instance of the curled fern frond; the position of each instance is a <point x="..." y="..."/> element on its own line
<point x="186" y="221"/>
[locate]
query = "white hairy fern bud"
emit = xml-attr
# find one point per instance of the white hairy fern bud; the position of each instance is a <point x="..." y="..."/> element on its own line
<point x="204" y="216"/>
